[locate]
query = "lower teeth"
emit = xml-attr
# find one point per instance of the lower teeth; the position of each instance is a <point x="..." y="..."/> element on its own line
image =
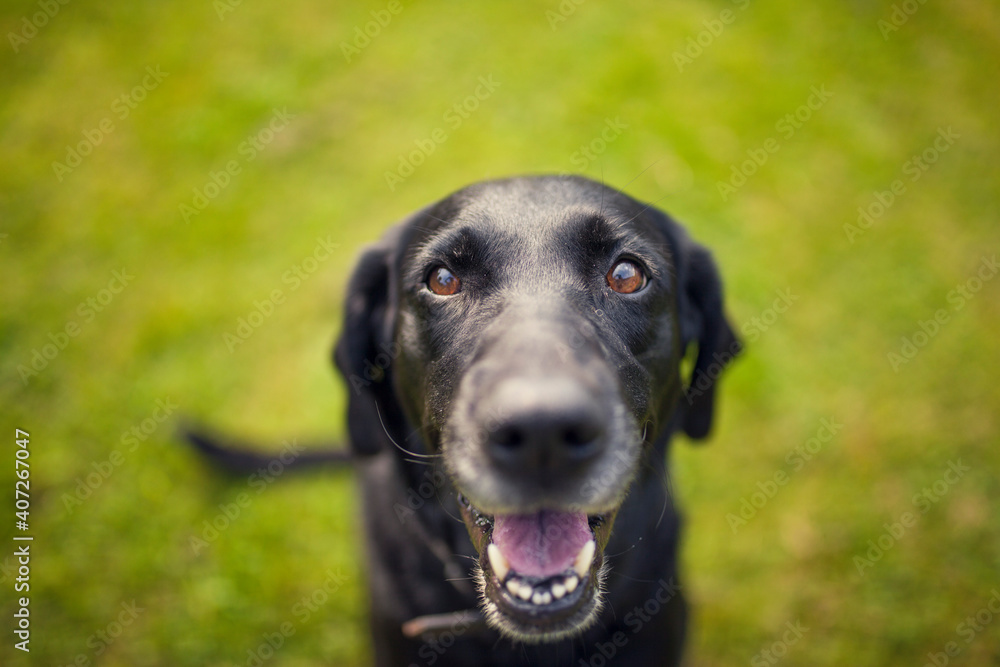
<point x="545" y="593"/>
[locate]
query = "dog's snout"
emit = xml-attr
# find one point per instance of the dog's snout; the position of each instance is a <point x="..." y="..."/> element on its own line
<point x="544" y="425"/>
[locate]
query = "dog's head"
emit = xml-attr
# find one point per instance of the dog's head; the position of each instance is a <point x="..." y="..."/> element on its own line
<point x="532" y="331"/>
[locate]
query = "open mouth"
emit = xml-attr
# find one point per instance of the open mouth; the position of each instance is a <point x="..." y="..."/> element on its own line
<point x="540" y="574"/>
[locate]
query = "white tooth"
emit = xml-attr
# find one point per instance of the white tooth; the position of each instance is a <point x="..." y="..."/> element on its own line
<point x="583" y="559"/>
<point x="513" y="587"/>
<point x="558" y="590"/>
<point x="546" y="597"/>
<point x="538" y="598"/>
<point x="571" y="583"/>
<point x="497" y="561"/>
<point x="524" y="592"/>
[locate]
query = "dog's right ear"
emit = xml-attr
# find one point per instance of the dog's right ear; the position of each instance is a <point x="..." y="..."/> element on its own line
<point x="702" y="323"/>
<point x="364" y="351"/>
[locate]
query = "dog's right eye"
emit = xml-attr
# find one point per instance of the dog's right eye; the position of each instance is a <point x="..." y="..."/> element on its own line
<point x="626" y="277"/>
<point x="443" y="282"/>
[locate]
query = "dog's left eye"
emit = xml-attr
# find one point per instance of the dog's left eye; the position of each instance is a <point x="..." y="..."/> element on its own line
<point x="626" y="277"/>
<point x="443" y="282"/>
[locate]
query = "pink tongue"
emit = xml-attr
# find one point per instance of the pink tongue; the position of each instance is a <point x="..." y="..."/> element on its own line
<point x="541" y="544"/>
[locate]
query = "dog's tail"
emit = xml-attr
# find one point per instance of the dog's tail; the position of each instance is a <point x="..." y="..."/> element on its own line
<point x="239" y="457"/>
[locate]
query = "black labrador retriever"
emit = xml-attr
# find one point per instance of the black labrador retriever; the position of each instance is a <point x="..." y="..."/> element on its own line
<point x="514" y="354"/>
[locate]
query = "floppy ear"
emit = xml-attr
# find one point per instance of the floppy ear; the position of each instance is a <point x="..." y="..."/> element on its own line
<point x="365" y="350"/>
<point x="702" y="321"/>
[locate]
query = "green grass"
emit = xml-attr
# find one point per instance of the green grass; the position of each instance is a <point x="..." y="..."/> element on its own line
<point x="324" y="174"/>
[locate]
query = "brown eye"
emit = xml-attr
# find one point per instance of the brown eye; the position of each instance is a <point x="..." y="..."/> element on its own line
<point x="626" y="277"/>
<point x="443" y="282"/>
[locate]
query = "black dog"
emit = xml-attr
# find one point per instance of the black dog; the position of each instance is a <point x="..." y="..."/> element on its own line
<point x="514" y="355"/>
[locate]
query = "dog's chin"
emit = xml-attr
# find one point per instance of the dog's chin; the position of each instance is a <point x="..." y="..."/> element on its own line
<point x="540" y="575"/>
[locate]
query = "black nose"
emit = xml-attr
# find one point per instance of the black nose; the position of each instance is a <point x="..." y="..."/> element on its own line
<point x="539" y="425"/>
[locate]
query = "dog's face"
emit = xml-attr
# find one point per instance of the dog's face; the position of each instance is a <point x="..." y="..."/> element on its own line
<point x="537" y="327"/>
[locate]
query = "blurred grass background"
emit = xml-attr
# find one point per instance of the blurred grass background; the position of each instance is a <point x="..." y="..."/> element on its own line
<point x="563" y="71"/>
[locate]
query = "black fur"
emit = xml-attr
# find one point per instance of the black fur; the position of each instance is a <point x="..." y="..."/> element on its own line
<point x="434" y="384"/>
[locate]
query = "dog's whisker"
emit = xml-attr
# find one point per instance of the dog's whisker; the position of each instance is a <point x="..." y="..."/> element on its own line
<point x="399" y="446"/>
<point x="434" y="217"/>
<point x="625" y="576"/>
<point x="611" y="608"/>
<point x="663" y="509"/>
<point x="644" y="209"/>
<point x="620" y="553"/>
<point x="655" y="162"/>
<point x="423" y="463"/>
<point x="445" y="510"/>
<point x="668" y="494"/>
<point x="603" y="188"/>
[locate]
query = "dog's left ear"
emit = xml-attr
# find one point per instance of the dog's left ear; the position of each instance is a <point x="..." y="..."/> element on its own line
<point x="365" y="351"/>
<point x="702" y="321"/>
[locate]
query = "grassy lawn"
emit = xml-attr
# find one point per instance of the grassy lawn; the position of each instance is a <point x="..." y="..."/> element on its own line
<point x="170" y="170"/>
